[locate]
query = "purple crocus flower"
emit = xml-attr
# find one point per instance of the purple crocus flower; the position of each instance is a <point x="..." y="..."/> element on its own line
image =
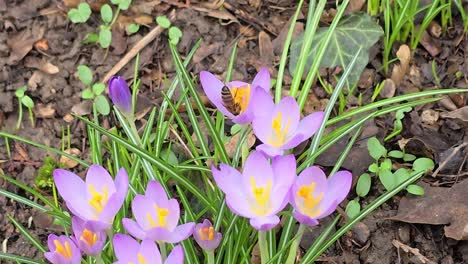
<point x="313" y="196"/>
<point x="206" y="237"/>
<point x="261" y="191"/>
<point x="120" y="94"/>
<point x="242" y="93"/>
<point x="62" y="250"/>
<point x="157" y="217"/>
<point x="88" y="237"/>
<point x="279" y="126"/>
<point x="97" y="199"/>
<point x="128" y="250"/>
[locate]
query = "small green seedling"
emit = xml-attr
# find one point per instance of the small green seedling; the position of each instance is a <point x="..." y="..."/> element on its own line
<point x="362" y="189"/>
<point x="25" y="100"/>
<point x="80" y="14"/>
<point x="132" y="28"/>
<point x="93" y="91"/>
<point x="174" y="32"/>
<point x="105" y="34"/>
<point x="383" y="166"/>
<point x="398" y="124"/>
<point x="122" y="4"/>
<point x="44" y="178"/>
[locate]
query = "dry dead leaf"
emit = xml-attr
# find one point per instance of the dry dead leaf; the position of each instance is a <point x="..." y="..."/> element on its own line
<point x="68" y="118"/>
<point x="438" y="206"/>
<point x="460" y="115"/>
<point x="22" y="43"/>
<point x="44" y="66"/>
<point x="35" y="79"/>
<point x="217" y="13"/>
<point x="267" y="55"/>
<point x="232" y="144"/>
<point x="389" y="88"/>
<point x="429" y="44"/>
<point x="399" y="71"/>
<point x="143" y="19"/>
<point x="247" y="31"/>
<point x="435" y="29"/>
<point x="354" y="6"/>
<point x="429" y="116"/>
<point x="45" y="111"/>
<point x="83" y="108"/>
<point x="255" y="3"/>
<point x="42" y="44"/>
<point x="206" y="50"/>
<point x="67" y="162"/>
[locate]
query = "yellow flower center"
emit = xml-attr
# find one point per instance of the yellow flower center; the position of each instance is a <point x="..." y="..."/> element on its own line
<point x="206" y="233"/>
<point x="162" y="214"/>
<point x="63" y="249"/>
<point x="89" y="237"/>
<point x="241" y="96"/>
<point x="279" y="136"/>
<point x="98" y="200"/>
<point x="262" y="204"/>
<point x="309" y="206"/>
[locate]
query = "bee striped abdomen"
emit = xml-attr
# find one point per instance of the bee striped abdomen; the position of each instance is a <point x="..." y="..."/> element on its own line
<point x="228" y="101"/>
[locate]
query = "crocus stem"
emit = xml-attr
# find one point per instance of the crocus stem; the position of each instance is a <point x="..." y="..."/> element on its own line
<point x="210" y="257"/>
<point x="162" y="250"/>
<point x="295" y="245"/>
<point x="263" y="246"/>
<point x="99" y="259"/>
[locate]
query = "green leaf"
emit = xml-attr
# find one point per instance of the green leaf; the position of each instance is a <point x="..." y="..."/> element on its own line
<point x="374" y="168"/>
<point x="80" y="14"/>
<point x="87" y="94"/>
<point x="353" y="208"/>
<point x="174" y="41"/>
<point x="98" y="88"/>
<point x="376" y="150"/>
<point x="396" y="154"/>
<point x="27" y="101"/>
<point x="132" y="28"/>
<point x="415" y="189"/>
<point x="363" y="185"/>
<point x="91" y="38"/>
<point x="423" y="164"/>
<point x="401" y="113"/>
<point x="85" y="75"/>
<point x="106" y="13"/>
<point x="401" y="175"/>
<point x="387" y="179"/>
<point x="102" y="105"/>
<point x="409" y="157"/>
<point x="105" y="37"/>
<point x="168" y="156"/>
<point x="175" y="33"/>
<point x="352" y="32"/>
<point x="386" y="165"/>
<point x="124" y="4"/>
<point x="20" y="91"/>
<point x="163" y="21"/>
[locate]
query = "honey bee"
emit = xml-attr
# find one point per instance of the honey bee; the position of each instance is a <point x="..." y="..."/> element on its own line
<point x="229" y="102"/>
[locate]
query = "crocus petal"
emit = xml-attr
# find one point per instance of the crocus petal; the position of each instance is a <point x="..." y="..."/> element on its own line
<point x="243" y="118"/>
<point x="258" y="167"/>
<point x="303" y="219"/>
<point x="293" y="142"/>
<point x="327" y="206"/>
<point x="239" y="204"/>
<point x="121" y="182"/>
<point x="150" y="251"/>
<point x="314" y="175"/>
<point x="181" y="232"/>
<point x="288" y="109"/>
<point x="176" y="256"/>
<point x="227" y="178"/>
<point x="204" y="238"/>
<point x="142" y="208"/>
<point x="160" y="234"/>
<point x="262" y="79"/>
<point x="174" y="214"/>
<point x="340" y="184"/>
<point x="99" y="178"/>
<point x="156" y="192"/>
<point x="212" y="87"/>
<point x="125" y="247"/>
<point x="284" y="168"/>
<point x="264" y="223"/>
<point x="269" y="150"/>
<point x="110" y="210"/>
<point x="262" y="126"/>
<point x="262" y="105"/>
<point x="69" y="254"/>
<point x="119" y="92"/>
<point x="133" y="228"/>
<point x="310" y="124"/>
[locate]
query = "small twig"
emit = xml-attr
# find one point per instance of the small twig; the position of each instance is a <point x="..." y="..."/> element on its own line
<point x="254" y="21"/>
<point x="185" y="147"/>
<point x="136" y="49"/>
<point x="413" y="251"/>
<point x="455" y="150"/>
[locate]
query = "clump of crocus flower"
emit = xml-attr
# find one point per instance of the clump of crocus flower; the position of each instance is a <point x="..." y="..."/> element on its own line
<point x="62" y="250"/>
<point x="157" y="217"/>
<point x="260" y="191"/>
<point x="119" y="92"/>
<point x="98" y="199"/>
<point x="88" y="237"/>
<point x="206" y="236"/>
<point x="313" y="196"/>
<point x="279" y="126"/>
<point x="242" y="94"/>
<point x="128" y="250"/>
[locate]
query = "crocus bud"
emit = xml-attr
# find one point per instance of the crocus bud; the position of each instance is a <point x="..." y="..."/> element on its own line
<point x="120" y="94"/>
<point x="206" y="237"/>
<point x="62" y="250"/>
<point x="89" y="238"/>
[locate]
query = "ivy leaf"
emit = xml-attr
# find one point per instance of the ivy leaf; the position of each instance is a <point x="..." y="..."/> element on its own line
<point x="80" y="14"/>
<point x="106" y="13"/>
<point x="102" y="105"/>
<point x="85" y="75"/>
<point x="105" y="37"/>
<point x="352" y="32"/>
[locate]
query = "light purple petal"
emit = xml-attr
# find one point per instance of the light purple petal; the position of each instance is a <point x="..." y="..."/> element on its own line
<point x="244" y="118"/>
<point x="181" y="233"/>
<point x="212" y="87"/>
<point x="159" y="234"/>
<point x="174" y="214"/>
<point x="293" y="142"/>
<point x="313" y="174"/>
<point x="156" y="192"/>
<point x="99" y="178"/>
<point x="141" y="207"/>
<point x="258" y="167"/>
<point x="239" y="204"/>
<point x="133" y="228"/>
<point x="327" y="206"/>
<point x="121" y="183"/>
<point x="264" y="223"/>
<point x="111" y="208"/>
<point x="284" y="169"/>
<point x="340" y="184"/>
<point x="288" y="109"/>
<point x="227" y="178"/>
<point x="150" y="252"/>
<point x="310" y="124"/>
<point x="262" y="105"/>
<point x="119" y="92"/>
<point x="236" y="84"/>
<point x="262" y="127"/>
<point x="269" y="150"/>
<point x="125" y="247"/>
<point x="69" y="185"/>
<point x="176" y="256"/>
<point x="201" y="237"/>
<point x="303" y="219"/>
<point x="262" y="79"/>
